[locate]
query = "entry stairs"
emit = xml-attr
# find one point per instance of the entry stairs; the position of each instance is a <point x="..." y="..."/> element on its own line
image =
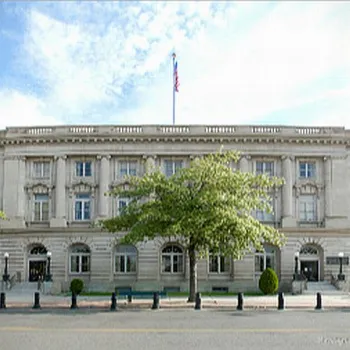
<point x="323" y="287"/>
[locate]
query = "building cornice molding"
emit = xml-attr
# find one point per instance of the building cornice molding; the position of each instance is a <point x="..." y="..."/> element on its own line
<point x="176" y="133"/>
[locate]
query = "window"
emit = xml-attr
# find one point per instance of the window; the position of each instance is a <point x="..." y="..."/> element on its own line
<point x="41" y="207"/>
<point x="80" y="259"/>
<point x="127" y="168"/>
<point x="264" y="216"/>
<point x="307" y="208"/>
<point x="266" y="168"/>
<point x="172" y="259"/>
<point x="171" y="167"/>
<point x="307" y="170"/>
<point x="125" y="259"/>
<point x="265" y="259"/>
<point x="83" y="169"/>
<point x="122" y="203"/>
<point x="41" y="170"/>
<point x="82" y="209"/>
<point x="218" y="263"/>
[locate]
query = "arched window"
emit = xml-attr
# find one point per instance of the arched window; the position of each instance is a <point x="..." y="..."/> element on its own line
<point x="125" y="259"/>
<point x="308" y="250"/>
<point x="265" y="259"/>
<point x="38" y="250"/>
<point x="172" y="259"/>
<point x="80" y="256"/>
<point x="218" y="263"/>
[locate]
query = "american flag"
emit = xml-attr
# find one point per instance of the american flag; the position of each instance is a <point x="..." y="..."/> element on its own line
<point x="176" y="77"/>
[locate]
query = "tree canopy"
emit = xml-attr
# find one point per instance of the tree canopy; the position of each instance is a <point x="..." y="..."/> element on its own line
<point x="2" y="215"/>
<point x="206" y="207"/>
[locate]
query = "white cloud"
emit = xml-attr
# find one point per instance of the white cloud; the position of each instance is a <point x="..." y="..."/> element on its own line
<point x="20" y="110"/>
<point x="237" y="63"/>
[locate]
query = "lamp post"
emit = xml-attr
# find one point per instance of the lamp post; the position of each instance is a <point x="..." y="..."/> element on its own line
<point x="341" y="276"/>
<point x="296" y="258"/>
<point x="6" y="275"/>
<point x="48" y="275"/>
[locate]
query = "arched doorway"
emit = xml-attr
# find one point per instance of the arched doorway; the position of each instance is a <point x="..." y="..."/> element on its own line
<point x="310" y="262"/>
<point x="37" y="257"/>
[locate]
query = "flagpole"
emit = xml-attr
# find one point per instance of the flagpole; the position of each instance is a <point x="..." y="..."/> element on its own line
<point x="174" y="56"/>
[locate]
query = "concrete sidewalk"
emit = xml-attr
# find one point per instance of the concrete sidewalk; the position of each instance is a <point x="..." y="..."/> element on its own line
<point x="250" y="302"/>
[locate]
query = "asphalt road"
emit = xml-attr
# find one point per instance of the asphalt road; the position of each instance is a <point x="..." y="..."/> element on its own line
<point x="175" y="329"/>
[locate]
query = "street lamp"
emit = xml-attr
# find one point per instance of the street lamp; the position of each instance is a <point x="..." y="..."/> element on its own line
<point x="6" y="276"/>
<point x="48" y="277"/>
<point x="341" y="276"/>
<point x="296" y="257"/>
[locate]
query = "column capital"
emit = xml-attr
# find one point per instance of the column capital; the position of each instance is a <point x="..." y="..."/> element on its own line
<point x="245" y="156"/>
<point x="61" y="156"/>
<point x="287" y="157"/>
<point x="149" y="156"/>
<point x="101" y="156"/>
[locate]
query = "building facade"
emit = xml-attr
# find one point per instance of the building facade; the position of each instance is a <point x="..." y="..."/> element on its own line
<point x="53" y="182"/>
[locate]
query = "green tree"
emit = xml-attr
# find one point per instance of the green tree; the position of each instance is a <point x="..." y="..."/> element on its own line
<point x="205" y="207"/>
<point x="2" y="215"/>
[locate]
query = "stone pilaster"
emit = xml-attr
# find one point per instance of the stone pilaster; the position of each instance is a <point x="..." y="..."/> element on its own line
<point x="14" y="192"/>
<point x="59" y="219"/>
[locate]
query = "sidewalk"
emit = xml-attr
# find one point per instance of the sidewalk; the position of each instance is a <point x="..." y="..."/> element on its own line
<point x="20" y="301"/>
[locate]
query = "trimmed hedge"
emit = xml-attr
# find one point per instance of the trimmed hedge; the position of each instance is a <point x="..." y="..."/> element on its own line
<point x="76" y="286"/>
<point x="268" y="282"/>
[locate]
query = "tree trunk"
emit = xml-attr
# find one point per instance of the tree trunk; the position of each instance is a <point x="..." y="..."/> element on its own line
<point x="193" y="274"/>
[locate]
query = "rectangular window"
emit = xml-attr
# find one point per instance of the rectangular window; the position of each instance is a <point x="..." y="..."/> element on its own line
<point x="218" y="264"/>
<point x="307" y="208"/>
<point x="264" y="216"/>
<point x="307" y="170"/>
<point x="74" y="264"/>
<point x="166" y="263"/>
<point x="83" y="169"/>
<point x="82" y="209"/>
<point x="41" y="170"/>
<point x="125" y="263"/>
<point x="266" y="168"/>
<point x="122" y="203"/>
<point x="172" y="166"/>
<point x="41" y="207"/>
<point x="127" y="168"/>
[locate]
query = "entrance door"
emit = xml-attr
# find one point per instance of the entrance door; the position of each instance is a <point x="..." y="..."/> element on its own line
<point x="310" y="270"/>
<point x="37" y="270"/>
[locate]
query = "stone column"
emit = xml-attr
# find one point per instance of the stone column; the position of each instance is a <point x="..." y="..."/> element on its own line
<point x="287" y="192"/>
<point x="328" y="186"/>
<point x="244" y="164"/>
<point x="103" y="186"/>
<point x="59" y="220"/>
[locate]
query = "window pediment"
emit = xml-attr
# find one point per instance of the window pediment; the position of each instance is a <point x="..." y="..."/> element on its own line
<point x="38" y="188"/>
<point x="308" y="187"/>
<point x="82" y="187"/>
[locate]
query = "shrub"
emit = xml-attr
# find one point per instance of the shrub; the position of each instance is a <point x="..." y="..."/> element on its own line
<point x="268" y="282"/>
<point x="76" y="286"/>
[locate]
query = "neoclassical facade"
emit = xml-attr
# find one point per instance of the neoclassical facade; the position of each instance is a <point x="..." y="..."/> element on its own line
<point x="53" y="182"/>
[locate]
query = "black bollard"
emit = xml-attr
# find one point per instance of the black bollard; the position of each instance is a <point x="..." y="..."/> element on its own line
<point x="2" y="301"/>
<point x="129" y="298"/>
<point x="113" y="302"/>
<point x="74" y="302"/>
<point x="198" y="302"/>
<point x="155" y="305"/>
<point x="280" y="301"/>
<point x="240" y="302"/>
<point x="36" y="300"/>
<point x="318" y="301"/>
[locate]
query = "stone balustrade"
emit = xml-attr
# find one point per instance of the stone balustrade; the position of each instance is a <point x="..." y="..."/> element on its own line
<point x="193" y="130"/>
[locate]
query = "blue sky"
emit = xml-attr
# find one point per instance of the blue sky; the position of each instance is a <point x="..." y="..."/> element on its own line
<point x="238" y="62"/>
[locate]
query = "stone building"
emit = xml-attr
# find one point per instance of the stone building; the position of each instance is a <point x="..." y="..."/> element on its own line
<point x="53" y="180"/>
